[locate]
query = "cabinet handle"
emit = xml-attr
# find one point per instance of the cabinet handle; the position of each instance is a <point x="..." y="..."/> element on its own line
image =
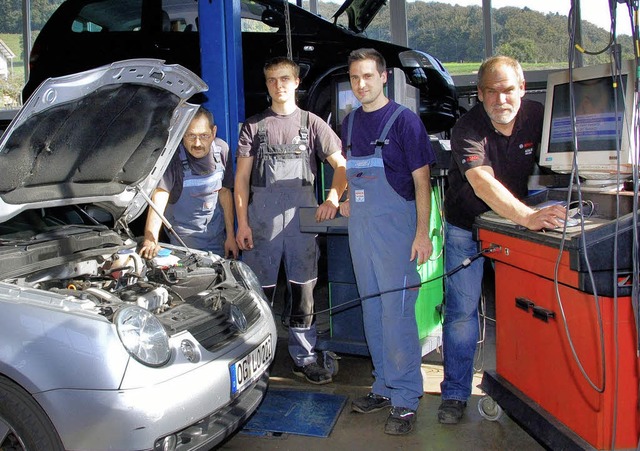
<point x="542" y="313"/>
<point x="524" y="304"/>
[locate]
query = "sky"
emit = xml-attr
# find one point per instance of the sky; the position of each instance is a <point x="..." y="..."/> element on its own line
<point x="594" y="11"/>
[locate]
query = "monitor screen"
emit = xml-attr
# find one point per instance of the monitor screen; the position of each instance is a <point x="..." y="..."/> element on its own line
<point x="599" y="115"/>
<point x="604" y="110"/>
<point x="346" y="101"/>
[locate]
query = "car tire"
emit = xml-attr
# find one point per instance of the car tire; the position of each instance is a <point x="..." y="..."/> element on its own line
<point x="23" y="423"/>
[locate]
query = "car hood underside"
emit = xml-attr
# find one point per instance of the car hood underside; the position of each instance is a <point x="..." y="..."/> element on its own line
<point x="75" y="152"/>
<point x="90" y="137"/>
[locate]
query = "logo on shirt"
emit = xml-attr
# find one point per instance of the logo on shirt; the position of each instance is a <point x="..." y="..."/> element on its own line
<point x="527" y="147"/>
<point x="297" y="140"/>
<point x="362" y="164"/>
<point x="470" y="158"/>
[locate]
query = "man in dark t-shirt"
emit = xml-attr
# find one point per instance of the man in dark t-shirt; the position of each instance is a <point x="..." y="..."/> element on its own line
<point x="195" y="195"/>
<point x="493" y="151"/>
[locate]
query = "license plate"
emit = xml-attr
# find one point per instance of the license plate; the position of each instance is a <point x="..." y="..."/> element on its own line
<point x="250" y="367"/>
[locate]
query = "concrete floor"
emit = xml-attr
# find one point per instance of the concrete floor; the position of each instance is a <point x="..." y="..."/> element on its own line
<point x="354" y="431"/>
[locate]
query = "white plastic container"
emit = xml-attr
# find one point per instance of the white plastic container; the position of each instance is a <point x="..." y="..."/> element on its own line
<point x="165" y="259"/>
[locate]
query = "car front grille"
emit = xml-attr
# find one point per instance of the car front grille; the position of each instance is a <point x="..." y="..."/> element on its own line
<point x="211" y="323"/>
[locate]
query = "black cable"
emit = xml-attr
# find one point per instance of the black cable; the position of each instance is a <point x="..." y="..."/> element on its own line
<point x="353" y="302"/>
<point x="572" y="26"/>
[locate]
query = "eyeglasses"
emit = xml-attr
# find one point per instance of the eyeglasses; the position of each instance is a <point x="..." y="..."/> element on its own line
<point x="201" y="136"/>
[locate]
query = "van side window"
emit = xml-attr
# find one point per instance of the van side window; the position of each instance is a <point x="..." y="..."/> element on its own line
<point x="80" y="26"/>
<point x="256" y="18"/>
<point x="183" y="16"/>
<point x="98" y="17"/>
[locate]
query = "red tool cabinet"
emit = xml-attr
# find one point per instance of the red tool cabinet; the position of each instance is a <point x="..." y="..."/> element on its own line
<point x="546" y="305"/>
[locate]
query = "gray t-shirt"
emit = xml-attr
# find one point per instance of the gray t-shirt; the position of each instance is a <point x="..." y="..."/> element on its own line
<point x="284" y="130"/>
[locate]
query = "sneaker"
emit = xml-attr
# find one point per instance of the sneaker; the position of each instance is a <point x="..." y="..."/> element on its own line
<point x="370" y="403"/>
<point x="313" y="373"/>
<point x="400" y="421"/>
<point x="450" y="411"/>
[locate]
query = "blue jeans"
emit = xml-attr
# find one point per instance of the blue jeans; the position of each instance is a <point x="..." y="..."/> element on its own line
<point x="460" y="327"/>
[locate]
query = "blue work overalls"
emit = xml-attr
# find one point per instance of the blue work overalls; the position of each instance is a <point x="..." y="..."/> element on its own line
<point x="382" y="226"/>
<point x="281" y="182"/>
<point x="196" y="216"/>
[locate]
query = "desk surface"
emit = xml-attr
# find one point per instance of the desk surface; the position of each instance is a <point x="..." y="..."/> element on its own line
<point x="308" y="223"/>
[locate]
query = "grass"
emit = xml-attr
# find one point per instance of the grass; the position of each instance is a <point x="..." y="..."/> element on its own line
<point x="472" y="68"/>
<point x="14" y="42"/>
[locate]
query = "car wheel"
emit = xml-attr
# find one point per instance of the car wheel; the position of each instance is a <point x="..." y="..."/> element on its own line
<point x="23" y="423"/>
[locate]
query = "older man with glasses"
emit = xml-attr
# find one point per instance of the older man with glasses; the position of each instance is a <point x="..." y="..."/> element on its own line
<point x="197" y="182"/>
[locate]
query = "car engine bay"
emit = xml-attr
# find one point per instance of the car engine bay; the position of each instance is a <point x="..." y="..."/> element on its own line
<point x="98" y="270"/>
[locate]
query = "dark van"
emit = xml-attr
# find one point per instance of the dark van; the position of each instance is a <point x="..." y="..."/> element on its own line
<point x="83" y="34"/>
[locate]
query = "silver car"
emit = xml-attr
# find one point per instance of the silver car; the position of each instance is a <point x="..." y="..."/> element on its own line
<point x="100" y="349"/>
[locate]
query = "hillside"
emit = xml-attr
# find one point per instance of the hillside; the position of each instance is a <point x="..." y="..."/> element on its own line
<point x="455" y="34"/>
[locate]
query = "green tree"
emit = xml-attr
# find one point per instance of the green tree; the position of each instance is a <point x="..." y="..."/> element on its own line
<point x="522" y="49"/>
<point x="11" y="13"/>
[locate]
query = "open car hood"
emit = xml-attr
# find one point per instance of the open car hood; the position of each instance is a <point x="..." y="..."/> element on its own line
<point x="102" y="136"/>
<point x="360" y="13"/>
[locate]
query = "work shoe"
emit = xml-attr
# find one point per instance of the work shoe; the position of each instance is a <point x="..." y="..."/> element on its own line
<point x="450" y="411"/>
<point x="313" y="373"/>
<point x="400" y="421"/>
<point x="370" y="403"/>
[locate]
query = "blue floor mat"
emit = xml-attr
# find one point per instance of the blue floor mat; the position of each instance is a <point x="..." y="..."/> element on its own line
<point x="296" y="412"/>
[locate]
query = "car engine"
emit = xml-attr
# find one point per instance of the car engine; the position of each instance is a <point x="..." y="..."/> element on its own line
<point x="98" y="270"/>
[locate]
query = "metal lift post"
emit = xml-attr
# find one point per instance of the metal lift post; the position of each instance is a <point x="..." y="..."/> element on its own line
<point x="221" y="58"/>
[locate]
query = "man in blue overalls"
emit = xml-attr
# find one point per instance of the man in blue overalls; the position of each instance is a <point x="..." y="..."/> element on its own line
<point x="388" y="157"/>
<point x="196" y="184"/>
<point x="277" y="167"/>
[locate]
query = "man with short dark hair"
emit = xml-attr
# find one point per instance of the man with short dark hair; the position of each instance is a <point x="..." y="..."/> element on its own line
<point x="388" y="157"/>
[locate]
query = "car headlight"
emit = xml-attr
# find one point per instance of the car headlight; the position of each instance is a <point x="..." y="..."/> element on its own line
<point x="143" y="336"/>
<point x="250" y="278"/>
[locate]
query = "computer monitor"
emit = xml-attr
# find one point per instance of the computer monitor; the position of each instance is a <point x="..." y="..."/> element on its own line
<point x="343" y="100"/>
<point x="396" y="88"/>
<point x="604" y="122"/>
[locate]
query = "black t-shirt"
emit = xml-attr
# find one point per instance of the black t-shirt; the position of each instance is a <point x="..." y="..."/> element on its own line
<point x="475" y="142"/>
